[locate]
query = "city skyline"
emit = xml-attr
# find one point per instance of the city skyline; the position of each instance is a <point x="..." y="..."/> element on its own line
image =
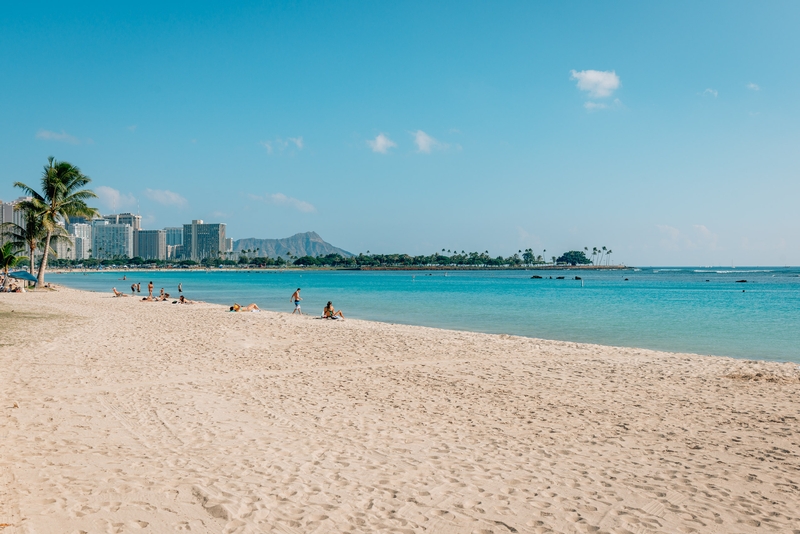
<point x="666" y="132"/>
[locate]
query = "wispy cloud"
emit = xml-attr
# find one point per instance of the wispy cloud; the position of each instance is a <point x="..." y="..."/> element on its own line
<point x="132" y="127"/>
<point x="113" y="199"/>
<point x="165" y="197"/>
<point x="64" y="137"/>
<point x="700" y="237"/>
<point x="711" y="92"/>
<point x="279" y="199"/>
<point x="282" y="144"/>
<point x="425" y="143"/>
<point x="381" y="143"/>
<point x="598" y="83"/>
<point x="753" y="86"/>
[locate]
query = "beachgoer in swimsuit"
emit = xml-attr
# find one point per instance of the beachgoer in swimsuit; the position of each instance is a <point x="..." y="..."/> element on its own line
<point x="180" y="288"/>
<point x="150" y="289"/>
<point x="296" y="299"/>
<point x="249" y="308"/>
<point x="133" y="288"/>
<point x="330" y="313"/>
<point x="138" y="288"/>
<point x="117" y="293"/>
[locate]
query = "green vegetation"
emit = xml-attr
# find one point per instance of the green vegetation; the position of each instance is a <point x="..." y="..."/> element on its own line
<point x="9" y="260"/>
<point x="62" y="197"/>
<point x="574" y="257"/>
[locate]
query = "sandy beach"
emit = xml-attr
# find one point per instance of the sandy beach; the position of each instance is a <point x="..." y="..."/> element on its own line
<point x="123" y="416"/>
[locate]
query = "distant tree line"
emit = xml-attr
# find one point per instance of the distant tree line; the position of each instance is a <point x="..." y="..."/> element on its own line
<point x="445" y="258"/>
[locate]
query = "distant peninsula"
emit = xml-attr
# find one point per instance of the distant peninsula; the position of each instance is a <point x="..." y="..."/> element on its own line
<point x="298" y="245"/>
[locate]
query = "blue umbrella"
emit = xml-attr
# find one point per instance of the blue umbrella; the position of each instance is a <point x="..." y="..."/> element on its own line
<point x="23" y="275"/>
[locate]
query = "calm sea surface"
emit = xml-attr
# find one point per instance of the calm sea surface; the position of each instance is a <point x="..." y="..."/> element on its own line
<point x="699" y="310"/>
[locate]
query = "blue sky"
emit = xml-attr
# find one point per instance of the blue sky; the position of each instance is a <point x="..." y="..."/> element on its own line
<point x="668" y="132"/>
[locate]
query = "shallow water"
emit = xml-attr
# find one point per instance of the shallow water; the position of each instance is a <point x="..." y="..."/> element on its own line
<point x="699" y="310"/>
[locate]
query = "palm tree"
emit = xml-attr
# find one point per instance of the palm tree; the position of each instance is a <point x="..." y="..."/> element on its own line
<point x="9" y="260"/>
<point x="62" y="197"/>
<point x="29" y="236"/>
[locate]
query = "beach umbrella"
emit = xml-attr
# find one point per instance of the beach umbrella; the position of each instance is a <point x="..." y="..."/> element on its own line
<point x="23" y="275"/>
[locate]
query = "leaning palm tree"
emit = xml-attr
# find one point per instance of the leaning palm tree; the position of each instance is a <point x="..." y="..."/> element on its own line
<point x="9" y="260"/>
<point x="31" y="235"/>
<point x="63" y="196"/>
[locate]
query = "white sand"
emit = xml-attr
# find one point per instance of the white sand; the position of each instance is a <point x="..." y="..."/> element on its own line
<point x="122" y="416"/>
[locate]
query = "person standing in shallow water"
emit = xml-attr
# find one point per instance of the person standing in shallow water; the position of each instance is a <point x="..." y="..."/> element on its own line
<point x="180" y="287"/>
<point x="133" y="288"/>
<point x="296" y="299"/>
<point x="150" y="288"/>
<point x="138" y="287"/>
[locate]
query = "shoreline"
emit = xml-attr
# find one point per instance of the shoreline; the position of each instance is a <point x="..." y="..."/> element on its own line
<point x="168" y="417"/>
<point x="301" y="269"/>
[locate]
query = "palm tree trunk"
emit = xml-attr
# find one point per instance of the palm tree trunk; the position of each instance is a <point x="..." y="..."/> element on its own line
<point x="43" y="265"/>
<point x="33" y="249"/>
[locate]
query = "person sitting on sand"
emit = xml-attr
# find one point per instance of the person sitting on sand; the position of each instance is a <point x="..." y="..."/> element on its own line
<point x="249" y="308"/>
<point x="330" y="313"/>
<point x="117" y="293"/>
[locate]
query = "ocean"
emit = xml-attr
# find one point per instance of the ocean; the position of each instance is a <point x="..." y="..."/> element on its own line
<point x="688" y="309"/>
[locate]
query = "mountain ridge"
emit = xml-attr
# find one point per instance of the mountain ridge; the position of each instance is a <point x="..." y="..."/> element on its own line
<point x="301" y="244"/>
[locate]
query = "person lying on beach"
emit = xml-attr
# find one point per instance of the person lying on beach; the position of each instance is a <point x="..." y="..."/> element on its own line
<point x="148" y="299"/>
<point x="117" y="293"/>
<point x="182" y="300"/>
<point x="249" y="308"/>
<point x="330" y="313"/>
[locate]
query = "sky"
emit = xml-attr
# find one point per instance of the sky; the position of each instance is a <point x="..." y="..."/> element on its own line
<point x="668" y="132"/>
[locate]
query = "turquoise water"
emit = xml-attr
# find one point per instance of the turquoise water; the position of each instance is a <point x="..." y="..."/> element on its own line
<point x="699" y="310"/>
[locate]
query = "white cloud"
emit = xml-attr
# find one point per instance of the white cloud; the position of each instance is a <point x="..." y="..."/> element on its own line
<point x="48" y="135"/>
<point x="711" y="92"/>
<point x="381" y="143"/>
<point x="113" y="199"/>
<point x="426" y="143"/>
<point x="753" y="86"/>
<point x="598" y="83"/>
<point x="594" y="106"/>
<point x="282" y="144"/>
<point x="700" y="238"/>
<point x="279" y="199"/>
<point x="167" y="198"/>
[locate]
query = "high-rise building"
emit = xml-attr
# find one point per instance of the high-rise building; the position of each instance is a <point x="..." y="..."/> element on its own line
<point x="134" y="221"/>
<point x="111" y="239"/>
<point x="174" y="236"/>
<point x="201" y="241"/>
<point x="81" y="238"/>
<point x="9" y="214"/>
<point x="64" y="247"/>
<point x="228" y="244"/>
<point x="152" y="244"/>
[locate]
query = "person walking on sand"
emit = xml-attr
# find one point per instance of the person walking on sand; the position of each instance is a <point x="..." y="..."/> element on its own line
<point x="150" y="289"/>
<point x="296" y="299"/>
